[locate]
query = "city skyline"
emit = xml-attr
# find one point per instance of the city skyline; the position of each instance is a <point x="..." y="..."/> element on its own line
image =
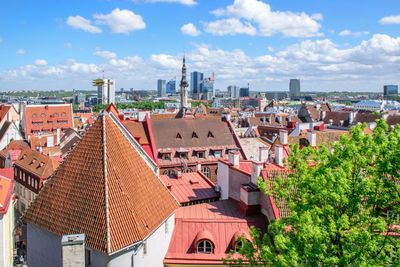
<point x="243" y="41"/>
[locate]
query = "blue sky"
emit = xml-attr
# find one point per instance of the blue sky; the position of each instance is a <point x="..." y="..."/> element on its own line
<point x="329" y="45"/>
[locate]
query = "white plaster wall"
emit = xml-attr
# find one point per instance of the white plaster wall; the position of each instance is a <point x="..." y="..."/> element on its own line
<point x="223" y="179"/>
<point x="12" y="133"/>
<point x="157" y="246"/>
<point x="44" y="248"/>
<point x="2" y="241"/>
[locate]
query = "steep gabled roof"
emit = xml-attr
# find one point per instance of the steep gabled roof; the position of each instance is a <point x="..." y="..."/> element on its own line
<point x="105" y="189"/>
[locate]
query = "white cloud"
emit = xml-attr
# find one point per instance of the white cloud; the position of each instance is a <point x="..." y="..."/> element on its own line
<point x="321" y="65"/>
<point x="183" y="2"/>
<point x="230" y="26"/>
<point x="121" y="20"/>
<point x="351" y="33"/>
<point x="105" y="54"/>
<point x="78" y="22"/>
<point x="267" y="21"/>
<point x="21" y="52"/>
<point x="390" y="20"/>
<point x="40" y="62"/>
<point x="190" y="29"/>
<point x="166" y="61"/>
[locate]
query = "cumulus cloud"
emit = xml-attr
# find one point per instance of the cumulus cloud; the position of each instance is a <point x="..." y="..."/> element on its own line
<point x="321" y="65"/>
<point x="40" y="62"/>
<point x="183" y="2"/>
<point x="267" y="21"/>
<point x="105" y="54"/>
<point x="78" y="22"/>
<point x="121" y="21"/>
<point x="231" y="26"/>
<point x="21" y="52"/>
<point x="390" y="20"/>
<point x="353" y="34"/>
<point x="190" y="29"/>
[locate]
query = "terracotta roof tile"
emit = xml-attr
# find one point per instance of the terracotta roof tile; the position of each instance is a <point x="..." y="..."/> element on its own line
<point x="36" y="163"/>
<point x="6" y="191"/>
<point x="190" y="187"/>
<point x="14" y="145"/>
<point x="105" y="189"/>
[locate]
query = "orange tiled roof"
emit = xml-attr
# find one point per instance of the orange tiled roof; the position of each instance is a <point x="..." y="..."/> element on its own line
<point x="105" y="189"/>
<point x="14" y="145"/>
<point x="47" y="117"/>
<point x="3" y="111"/>
<point x="36" y="163"/>
<point x="6" y="189"/>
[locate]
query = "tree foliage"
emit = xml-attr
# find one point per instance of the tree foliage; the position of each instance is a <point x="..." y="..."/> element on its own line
<point x="344" y="204"/>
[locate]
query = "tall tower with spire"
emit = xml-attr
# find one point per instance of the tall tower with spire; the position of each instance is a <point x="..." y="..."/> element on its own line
<point x="184" y="86"/>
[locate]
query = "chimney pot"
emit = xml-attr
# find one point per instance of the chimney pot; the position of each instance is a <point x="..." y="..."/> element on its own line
<point x="312" y="138"/>
<point x="279" y="155"/>
<point x="283" y="136"/>
<point x="234" y="158"/>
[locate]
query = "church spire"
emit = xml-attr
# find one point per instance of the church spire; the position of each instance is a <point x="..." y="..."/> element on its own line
<point x="184" y="85"/>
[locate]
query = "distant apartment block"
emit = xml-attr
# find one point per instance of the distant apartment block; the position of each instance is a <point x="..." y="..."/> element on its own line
<point x="233" y="91"/>
<point x="171" y="87"/>
<point x="105" y="91"/>
<point x="294" y="89"/>
<point x="244" y="92"/>
<point x="390" y="91"/>
<point x="161" y="88"/>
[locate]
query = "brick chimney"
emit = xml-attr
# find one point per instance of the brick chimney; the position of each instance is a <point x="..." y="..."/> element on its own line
<point x="249" y="202"/>
<point x="263" y="154"/>
<point x="283" y="136"/>
<point x="256" y="172"/>
<point x="312" y="138"/>
<point x="234" y="158"/>
<point x="279" y="155"/>
<point x="73" y="250"/>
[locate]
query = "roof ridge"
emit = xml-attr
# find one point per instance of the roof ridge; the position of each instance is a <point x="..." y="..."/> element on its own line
<point x="107" y="208"/>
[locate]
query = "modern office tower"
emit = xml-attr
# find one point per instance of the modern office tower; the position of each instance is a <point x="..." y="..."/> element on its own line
<point x="105" y="91"/>
<point x="390" y="91"/>
<point x="171" y="87"/>
<point x="294" y="89"/>
<point x="161" y="88"/>
<point x="233" y="91"/>
<point x="244" y="92"/>
<point x="196" y="84"/>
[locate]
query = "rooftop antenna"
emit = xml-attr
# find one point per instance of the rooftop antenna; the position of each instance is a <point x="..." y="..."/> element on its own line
<point x="103" y="73"/>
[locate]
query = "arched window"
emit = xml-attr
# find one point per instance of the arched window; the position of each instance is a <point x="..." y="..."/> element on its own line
<point x="238" y="245"/>
<point x="206" y="171"/>
<point x="169" y="172"/>
<point x="205" y="246"/>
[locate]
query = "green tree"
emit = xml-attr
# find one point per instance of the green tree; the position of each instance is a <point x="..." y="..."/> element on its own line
<point x="344" y="203"/>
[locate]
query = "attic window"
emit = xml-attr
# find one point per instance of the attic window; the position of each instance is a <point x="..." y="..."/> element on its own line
<point x="194" y="135"/>
<point x="210" y="134"/>
<point x="205" y="246"/>
<point x="33" y="161"/>
<point x="178" y="136"/>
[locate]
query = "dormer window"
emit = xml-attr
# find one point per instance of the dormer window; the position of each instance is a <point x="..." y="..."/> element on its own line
<point x="194" y="135"/>
<point x="178" y="136"/>
<point x="205" y="246"/>
<point x="239" y="245"/>
<point x="201" y="154"/>
<point x="210" y="134"/>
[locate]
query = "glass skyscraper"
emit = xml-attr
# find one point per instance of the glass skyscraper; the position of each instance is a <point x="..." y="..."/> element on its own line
<point x="196" y="81"/>
<point x="390" y="91"/>
<point x="294" y="89"/>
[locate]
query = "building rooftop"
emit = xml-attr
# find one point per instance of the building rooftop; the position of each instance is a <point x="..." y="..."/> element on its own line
<point x="106" y="189"/>
<point x="190" y="187"/>
<point x="220" y="222"/>
<point x="6" y="191"/>
<point x="36" y="163"/>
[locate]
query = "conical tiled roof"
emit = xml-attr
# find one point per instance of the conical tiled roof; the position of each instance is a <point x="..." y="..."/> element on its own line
<point x="104" y="189"/>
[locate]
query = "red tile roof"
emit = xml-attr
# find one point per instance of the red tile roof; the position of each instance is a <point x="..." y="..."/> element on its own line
<point x="190" y="187"/>
<point x="220" y="222"/>
<point x="47" y="117"/>
<point x="14" y="145"/>
<point x="3" y="111"/>
<point x="6" y="191"/>
<point x="105" y="189"/>
<point x="36" y="163"/>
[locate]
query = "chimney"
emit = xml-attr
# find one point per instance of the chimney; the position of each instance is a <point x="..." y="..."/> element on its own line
<point x="8" y="116"/>
<point x="179" y="174"/>
<point x="198" y="167"/>
<point x="73" y="250"/>
<point x="279" y="154"/>
<point x="312" y="138"/>
<point x="330" y="121"/>
<point x="234" y="158"/>
<point x="249" y="202"/>
<point x="323" y="115"/>
<point x="283" y="136"/>
<point x="256" y="172"/>
<point x="58" y="136"/>
<point x="351" y="117"/>
<point x="263" y="154"/>
<point x="142" y="115"/>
